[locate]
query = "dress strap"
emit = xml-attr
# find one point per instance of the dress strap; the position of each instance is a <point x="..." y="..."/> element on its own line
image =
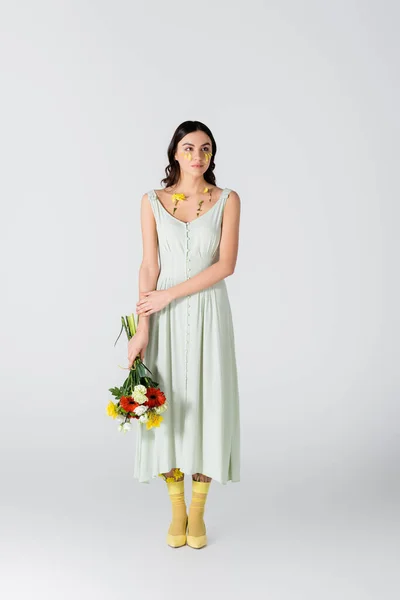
<point x="224" y="195"/>
<point x="222" y="201"/>
<point x="152" y="196"/>
<point x="154" y="204"/>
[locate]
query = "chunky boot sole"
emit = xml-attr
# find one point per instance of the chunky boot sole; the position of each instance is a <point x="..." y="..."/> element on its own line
<point x="196" y="541"/>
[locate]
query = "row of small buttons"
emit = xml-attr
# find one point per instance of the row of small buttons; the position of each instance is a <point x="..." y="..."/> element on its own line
<point x="187" y="251"/>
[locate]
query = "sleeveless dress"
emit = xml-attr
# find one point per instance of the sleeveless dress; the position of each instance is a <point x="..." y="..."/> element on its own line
<point x="191" y="354"/>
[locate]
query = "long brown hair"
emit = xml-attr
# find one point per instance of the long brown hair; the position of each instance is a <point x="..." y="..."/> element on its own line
<point x="172" y="170"/>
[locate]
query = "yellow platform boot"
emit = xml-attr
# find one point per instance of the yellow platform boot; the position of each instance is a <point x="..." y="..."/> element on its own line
<point x="176" y="536"/>
<point x="196" y="535"/>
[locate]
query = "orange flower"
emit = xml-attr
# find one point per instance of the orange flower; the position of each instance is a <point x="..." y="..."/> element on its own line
<point x="128" y="403"/>
<point x="155" y="397"/>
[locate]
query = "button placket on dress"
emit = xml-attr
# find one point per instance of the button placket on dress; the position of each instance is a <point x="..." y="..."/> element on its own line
<point x="188" y="275"/>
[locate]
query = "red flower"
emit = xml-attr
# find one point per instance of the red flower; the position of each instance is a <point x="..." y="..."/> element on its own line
<point x="128" y="403"/>
<point x="155" y="397"/>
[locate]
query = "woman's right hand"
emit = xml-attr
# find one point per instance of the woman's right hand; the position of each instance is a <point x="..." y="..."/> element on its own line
<point x="137" y="345"/>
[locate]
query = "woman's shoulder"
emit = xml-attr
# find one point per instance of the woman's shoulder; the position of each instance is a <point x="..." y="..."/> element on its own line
<point x="233" y="194"/>
<point x="233" y="201"/>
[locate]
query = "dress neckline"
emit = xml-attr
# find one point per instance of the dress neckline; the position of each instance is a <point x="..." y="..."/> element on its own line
<point x="197" y="218"/>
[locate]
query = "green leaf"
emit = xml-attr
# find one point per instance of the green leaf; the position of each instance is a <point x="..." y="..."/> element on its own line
<point x="119" y="335"/>
<point x="147" y="368"/>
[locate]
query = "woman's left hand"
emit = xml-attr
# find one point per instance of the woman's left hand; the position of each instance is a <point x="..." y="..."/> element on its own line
<point x="153" y="301"/>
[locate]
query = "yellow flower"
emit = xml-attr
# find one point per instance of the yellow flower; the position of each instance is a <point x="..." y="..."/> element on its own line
<point x="154" y="420"/>
<point x="166" y="478"/>
<point x="178" y="473"/>
<point x="178" y="197"/>
<point x="111" y="410"/>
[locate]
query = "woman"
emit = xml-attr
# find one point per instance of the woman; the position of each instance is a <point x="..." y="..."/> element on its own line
<point x="185" y="336"/>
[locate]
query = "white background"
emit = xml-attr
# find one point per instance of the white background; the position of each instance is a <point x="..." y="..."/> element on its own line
<point x="302" y="98"/>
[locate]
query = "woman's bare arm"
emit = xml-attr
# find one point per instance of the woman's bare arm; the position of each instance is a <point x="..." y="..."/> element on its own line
<point x="226" y="264"/>
<point x="149" y="269"/>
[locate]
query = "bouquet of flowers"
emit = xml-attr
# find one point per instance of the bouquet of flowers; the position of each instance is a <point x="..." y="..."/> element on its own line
<point x="139" y="397"/>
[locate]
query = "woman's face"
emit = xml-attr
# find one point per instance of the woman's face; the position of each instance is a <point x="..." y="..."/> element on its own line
<point x="194" y="153"/>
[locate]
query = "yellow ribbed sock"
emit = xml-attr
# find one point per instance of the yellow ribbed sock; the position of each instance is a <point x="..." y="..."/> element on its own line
<point x="179" y="516"/>
<point x="196" y="510"/>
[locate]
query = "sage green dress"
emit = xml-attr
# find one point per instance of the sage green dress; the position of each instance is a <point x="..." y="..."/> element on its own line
<point x="191" y="353"/>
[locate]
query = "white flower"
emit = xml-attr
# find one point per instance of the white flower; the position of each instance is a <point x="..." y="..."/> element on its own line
<point x="144" y="418"/>
<point x="139" y="410"/>
<point x="162" y="408"/>
<point x="140" y="388"/>
<point x="124" y="427"/>
<point x="139" y="397"/>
